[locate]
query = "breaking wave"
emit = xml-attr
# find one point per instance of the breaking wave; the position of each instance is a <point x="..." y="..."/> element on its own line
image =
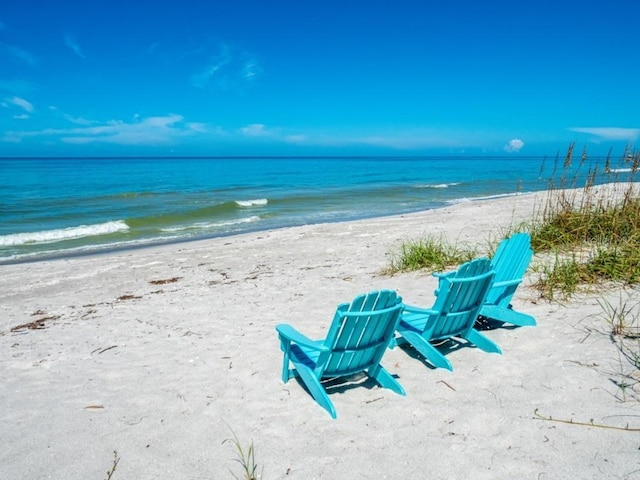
<point x="50" y="236"/>
<point x="260" y="202"/>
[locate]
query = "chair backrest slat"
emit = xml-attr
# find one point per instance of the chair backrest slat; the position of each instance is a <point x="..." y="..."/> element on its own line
<point x="364" y="330"/>
<point x="460" y="297"/>
<point x="510" y="262"/>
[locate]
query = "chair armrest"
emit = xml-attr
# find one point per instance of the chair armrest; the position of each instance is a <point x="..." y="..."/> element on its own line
<point x="506" y="283"/>
<point x="443" y="274"/>
<point x="414" y="309"/>
<point x="287" y="332"/>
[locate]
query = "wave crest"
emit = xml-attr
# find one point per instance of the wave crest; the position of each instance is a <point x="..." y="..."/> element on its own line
<point x="50" y="236"/>
<point x="259" y="202"/>
<point x="211" y="225"/>
<point x="438" y="185"/>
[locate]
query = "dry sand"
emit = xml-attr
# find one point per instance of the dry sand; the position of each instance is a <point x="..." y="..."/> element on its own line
<point x="160" y="354"/>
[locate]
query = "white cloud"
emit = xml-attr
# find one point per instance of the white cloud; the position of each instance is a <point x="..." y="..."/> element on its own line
<point x="18" y="53"/>
<point x="175" y="130"/>
<point x="295" y="138"/>
<point x="16" y="86"/>
<point x="198" y="127"/>
<point x="408" y="140"/>
<point x="149" y="131"/>
<point x="228" y="68"/>
<point x="610" y="133"/>
<point x="213" y="67"/>
<point x="514" y="145"/>
<point x="70" y="42"/>
<point x="77" y="120"/>
<point x="18" y="102"/>
<point x="10" y="137"/>
<point x="255" y="130"/>
<point x="22" y="116"/>
<point x="251" y="70"/>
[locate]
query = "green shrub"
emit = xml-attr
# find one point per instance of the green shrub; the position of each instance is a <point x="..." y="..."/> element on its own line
<point x="428" y="253"/>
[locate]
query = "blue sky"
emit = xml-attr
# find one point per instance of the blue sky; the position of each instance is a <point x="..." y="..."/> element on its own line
<point x="312" y="77"/>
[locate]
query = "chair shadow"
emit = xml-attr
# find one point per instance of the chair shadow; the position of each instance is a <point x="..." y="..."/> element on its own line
<point x="341" y="385"/>
<point x="484" y="324"/>
<point x="444" y="346"/>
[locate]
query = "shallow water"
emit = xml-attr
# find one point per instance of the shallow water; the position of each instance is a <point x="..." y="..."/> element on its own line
<point x="63" y="206"/>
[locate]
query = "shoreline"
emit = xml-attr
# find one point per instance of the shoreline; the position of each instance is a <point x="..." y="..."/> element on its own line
<point x="151" y="243"/>
<point x="164" y="352"/>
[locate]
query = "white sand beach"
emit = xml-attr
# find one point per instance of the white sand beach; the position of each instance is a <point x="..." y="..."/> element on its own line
<point x="161" y="354"/>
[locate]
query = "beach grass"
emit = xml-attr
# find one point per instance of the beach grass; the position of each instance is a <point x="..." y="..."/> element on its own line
<point x="585" y="238"/>
<point x="432" y="253"/>
<point x="246" y="458"/>
<point x="590" y="235"/>
<point x="587" y="235"/>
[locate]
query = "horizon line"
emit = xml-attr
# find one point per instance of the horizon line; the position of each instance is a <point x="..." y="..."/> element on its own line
<point x="248" y="157"/>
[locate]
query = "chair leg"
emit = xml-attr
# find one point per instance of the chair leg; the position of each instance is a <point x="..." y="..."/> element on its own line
<point x="430" y="352"/>
<point x="286" y="373"/>
<point x="385" y="379"/>
<point x="315" y="388"/>
<point x="482" y="342"/>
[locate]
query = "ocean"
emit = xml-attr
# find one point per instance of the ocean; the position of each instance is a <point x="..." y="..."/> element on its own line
<point x="53" y="207"/>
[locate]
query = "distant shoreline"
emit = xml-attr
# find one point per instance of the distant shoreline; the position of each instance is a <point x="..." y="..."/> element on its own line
<point x="107" y="249"/>
<point x="272" y="157"/>
<point x="69" y="207"/>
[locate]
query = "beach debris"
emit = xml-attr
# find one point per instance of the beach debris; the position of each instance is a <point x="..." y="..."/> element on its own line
<point x="226" y="278"/>
<point x="128" y="297"/>
<point x="374" y="400"/>
<point x="38" y="324"/>
<point x="445" y="383"/>
<point x="590" y="423"/>
<point x="102" y="350"/>
<point x="165" y="281"/>
<point x="116" y="460"/>
<point x="87" y="313"/>
<point x="259" y="270"/>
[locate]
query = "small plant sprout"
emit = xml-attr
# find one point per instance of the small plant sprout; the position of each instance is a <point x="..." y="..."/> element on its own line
<point x="246" y="459"/>
<point x="112" y="470"/>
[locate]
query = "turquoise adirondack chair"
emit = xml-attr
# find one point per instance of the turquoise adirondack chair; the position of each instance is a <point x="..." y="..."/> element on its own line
<point x="459" y="298"/>
<point x="510" y="262"/>
<point x="355" y="342"/>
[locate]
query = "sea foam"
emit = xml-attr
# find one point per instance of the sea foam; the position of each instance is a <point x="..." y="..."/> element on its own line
<point x="50" y="236"/>
<point x="438" y="185"/>
<point x="484" y="197"/>
<point x="211" y="225"/>
<point x="260" y="202"/>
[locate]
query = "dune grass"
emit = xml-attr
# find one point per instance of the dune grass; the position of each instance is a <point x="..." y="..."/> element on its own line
<point x="586" y="236"/>
<point x="431" y="253"/>
<point x="587" y="233"/>
<point x="591" y="234"/>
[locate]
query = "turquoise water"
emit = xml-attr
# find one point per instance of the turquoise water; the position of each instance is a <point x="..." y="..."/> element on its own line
<point x="53" y="207"/>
